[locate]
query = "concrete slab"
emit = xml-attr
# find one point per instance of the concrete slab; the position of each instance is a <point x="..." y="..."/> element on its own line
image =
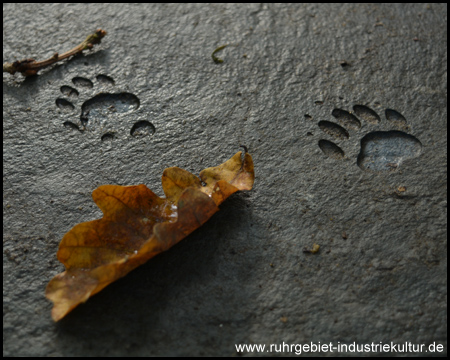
<point x="371" y="190"/>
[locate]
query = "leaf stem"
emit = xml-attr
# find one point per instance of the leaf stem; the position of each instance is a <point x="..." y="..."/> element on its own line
<point x="29" y="67"/>
<point x="214" y="57"/>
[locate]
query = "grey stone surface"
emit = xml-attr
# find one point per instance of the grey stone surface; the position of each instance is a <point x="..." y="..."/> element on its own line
<point x="243" y="278"/>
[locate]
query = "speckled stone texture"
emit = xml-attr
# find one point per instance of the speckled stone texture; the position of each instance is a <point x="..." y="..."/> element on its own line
<point x="245" y="277"/>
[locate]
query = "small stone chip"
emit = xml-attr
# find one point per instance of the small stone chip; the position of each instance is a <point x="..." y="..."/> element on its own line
<point x="314" y="249"/>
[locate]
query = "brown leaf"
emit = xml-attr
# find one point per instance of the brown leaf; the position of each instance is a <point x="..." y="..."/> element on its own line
<point x="137" y="225"/>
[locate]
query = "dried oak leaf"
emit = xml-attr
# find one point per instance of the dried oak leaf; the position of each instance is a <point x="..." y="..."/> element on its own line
<point x="137" y="225"/>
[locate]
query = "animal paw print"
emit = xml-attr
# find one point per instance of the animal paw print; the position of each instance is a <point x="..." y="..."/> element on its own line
<point x="380" y="150"/>
<point x="104" y="112"/>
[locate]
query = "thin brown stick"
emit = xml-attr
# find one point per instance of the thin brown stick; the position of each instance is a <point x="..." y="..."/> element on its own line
<point x="29" y="67"/>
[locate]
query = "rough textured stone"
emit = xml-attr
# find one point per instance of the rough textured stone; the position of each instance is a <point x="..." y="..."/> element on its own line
<point x="381" y="272"/>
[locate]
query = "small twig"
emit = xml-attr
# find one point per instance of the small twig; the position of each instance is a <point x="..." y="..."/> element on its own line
<point x="214" y="57"/>
<point x="29" y="67"/>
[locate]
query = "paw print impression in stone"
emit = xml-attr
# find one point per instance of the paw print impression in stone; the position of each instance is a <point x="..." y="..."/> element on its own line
<point x="380" y="150"/>
<point x="105" y="113"/>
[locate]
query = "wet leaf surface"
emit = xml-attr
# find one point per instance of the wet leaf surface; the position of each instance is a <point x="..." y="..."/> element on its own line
<point x="137" y="225"/>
